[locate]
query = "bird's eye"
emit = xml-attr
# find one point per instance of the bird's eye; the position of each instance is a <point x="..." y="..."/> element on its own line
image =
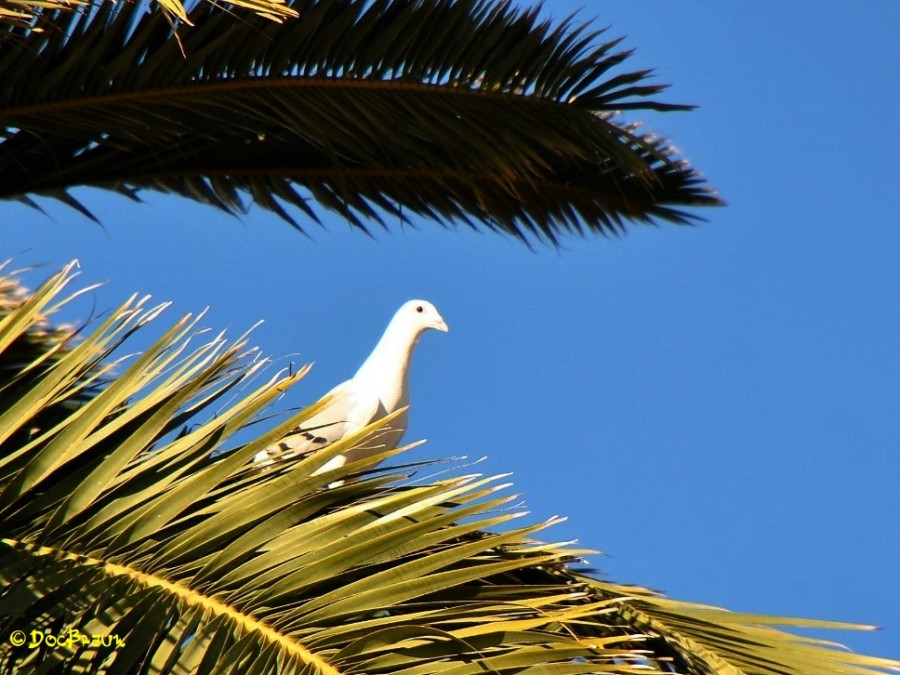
<point x="420" y="309"/>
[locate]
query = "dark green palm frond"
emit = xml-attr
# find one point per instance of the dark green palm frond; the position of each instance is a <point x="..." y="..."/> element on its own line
<point x="117" y="523"/>
<point x="466" y="111"/>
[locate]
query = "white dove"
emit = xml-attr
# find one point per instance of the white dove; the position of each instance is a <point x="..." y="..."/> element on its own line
<point x="380" y="386"/>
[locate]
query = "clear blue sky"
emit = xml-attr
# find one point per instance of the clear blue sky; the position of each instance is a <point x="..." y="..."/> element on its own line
<point x="716" y="407"/>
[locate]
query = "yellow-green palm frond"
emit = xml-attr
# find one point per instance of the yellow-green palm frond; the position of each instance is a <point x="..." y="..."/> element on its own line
<point x="139" y="514"/>
<point x="708" y="639"/>
<point x="42" y="15"/>
<point x="129" y="518"/>
<point x="31" y="346"/>
<point x="463" y="111"/>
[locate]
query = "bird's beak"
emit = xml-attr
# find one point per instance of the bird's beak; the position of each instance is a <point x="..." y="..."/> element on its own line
<point x="441" y="325"/>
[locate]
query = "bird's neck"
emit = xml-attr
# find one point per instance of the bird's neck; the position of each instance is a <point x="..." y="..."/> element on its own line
<point x="387" y="368"/>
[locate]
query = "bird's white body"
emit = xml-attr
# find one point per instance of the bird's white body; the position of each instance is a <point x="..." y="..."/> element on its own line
<point x="379" y="387"/>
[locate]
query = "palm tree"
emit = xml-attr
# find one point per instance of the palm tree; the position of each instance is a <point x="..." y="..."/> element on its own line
<point x="129" y="512"/>
<point x="126" y="504"/>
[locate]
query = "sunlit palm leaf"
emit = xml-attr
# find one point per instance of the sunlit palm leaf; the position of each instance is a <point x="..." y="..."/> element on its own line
<point x="125" y="517"/>
<point x="713" y="640"/>
<point x="31" y="345"/>
<point x="32" y="14"/>
<point x="114" y="523"/>
<point x="468" y="111"/>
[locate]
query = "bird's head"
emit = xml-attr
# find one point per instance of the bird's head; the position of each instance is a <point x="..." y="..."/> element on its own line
<point x="422" y="315"/>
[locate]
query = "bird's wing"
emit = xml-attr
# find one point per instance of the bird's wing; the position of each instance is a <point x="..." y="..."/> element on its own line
<point x="350" y="409"/>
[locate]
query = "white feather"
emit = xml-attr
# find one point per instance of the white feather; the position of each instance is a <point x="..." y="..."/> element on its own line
<point x="379" y="387"/>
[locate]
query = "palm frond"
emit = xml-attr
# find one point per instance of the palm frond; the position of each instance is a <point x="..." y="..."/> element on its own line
<point x="32" y="15"/>
<point x="138" y="516"/>
<point x="708" y="639"/>
<point x="31" y="346"/>
<point x="467" y="111"/>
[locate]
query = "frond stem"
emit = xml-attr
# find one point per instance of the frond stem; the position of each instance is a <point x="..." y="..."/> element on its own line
<point x="184" y="593"/>
<point x="252" y="83"/>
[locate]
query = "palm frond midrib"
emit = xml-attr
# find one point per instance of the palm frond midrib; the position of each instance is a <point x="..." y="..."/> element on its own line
<point x="204" y="91"/>
<point x="463" y="45"/>
<point x="501" y="104"/>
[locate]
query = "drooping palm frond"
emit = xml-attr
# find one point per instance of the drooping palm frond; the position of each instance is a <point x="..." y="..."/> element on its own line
<point x="124" y="520"/>
<point x="31" y="15"/>
<point x="460" y="111"/>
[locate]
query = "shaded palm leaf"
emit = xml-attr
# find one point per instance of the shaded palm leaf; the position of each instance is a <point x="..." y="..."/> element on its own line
<point x="115" y="522"/>
<point x="468" y="111"/>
